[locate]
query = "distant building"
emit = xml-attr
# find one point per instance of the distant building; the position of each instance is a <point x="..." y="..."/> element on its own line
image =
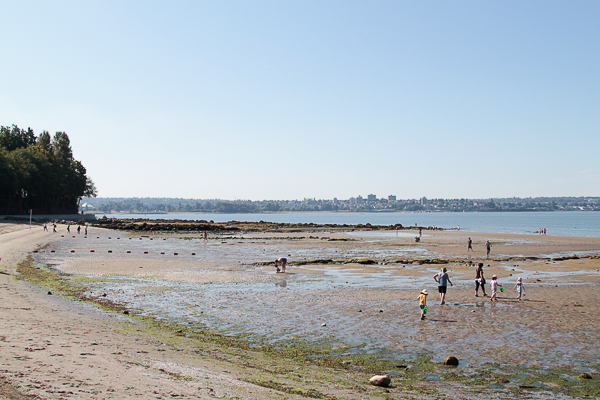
<point x="372" y="197"/>
<point x="359" y="200"/>
<point x="423" y="200"/>
<point x="391" y="197"/>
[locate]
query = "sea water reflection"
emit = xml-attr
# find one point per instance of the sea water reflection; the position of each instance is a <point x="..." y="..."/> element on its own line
<point x="559" y="223"/>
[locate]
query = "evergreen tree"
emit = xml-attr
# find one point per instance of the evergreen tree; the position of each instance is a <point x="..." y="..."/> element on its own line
<point x="40" y="174"/>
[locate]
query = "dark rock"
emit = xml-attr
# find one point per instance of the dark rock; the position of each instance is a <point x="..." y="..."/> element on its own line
<point x="450" y="360"/>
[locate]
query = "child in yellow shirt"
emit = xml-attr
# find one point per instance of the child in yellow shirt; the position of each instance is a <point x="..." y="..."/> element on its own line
<point x="423" y="303"/>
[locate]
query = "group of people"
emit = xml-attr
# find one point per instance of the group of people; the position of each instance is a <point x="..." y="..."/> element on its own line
<point x="488" y="246"/>
<point x="53" y="227"/>
<point x="68" y="228"/>
<point x="443" y="280"/>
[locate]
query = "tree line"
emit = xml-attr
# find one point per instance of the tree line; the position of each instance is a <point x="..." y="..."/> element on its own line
<point x="40" y="173"/>
<point x="175" y="205"/>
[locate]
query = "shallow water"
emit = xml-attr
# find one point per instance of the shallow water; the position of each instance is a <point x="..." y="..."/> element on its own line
<point x="338" y="304"/>
<point x="569" y="223"/>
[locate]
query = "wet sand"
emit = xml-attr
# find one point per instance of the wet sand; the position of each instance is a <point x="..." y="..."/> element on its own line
<point x="226" y="285"/>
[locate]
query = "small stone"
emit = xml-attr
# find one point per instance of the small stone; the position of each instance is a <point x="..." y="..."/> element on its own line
<point x="450" y="360"/>
<point x="126" y="312"/>
<point x="584" y="375"/>
<point x="49" y="292"/>
<point x="380" y="380"/>
<point x="323" y="324"/>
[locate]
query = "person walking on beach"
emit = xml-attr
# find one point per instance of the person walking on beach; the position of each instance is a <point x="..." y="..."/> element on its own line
<point x="205" y="236"/>
<point x="479" y="280"/>
<point x="520" y="288"/>
<point x="494" y="286"/>
<point x="488" y="248"/>
<point x="85" y="230"/>
<point x="78" y="229"/>
<point x="53" y="228"/>
<point x="68" y="228"/>
<point x="281" y="261"/>
<point x="45" y="227"/>
<point x="423" y="303"/>
<point x="470" y="245"/>
<point x="442" y="279"/>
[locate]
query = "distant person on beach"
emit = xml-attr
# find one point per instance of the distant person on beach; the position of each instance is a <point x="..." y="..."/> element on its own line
<point x="54" y="228"/>
<point x="470" y="245"/>
<point x="68" y="228"/>
<point x="205" y="236"/>
<point x="520" y="288"/>
<point x="488" y="248"/>
<point x="86" y="230"/>
<point x="479" y="280"/>
<point x="494" y="287"/>
<point x="423" y="303"/>
<point x="78" y="229"/>
<point x="442" y="279"/>
<point x="281" y="261"/>
<point x="45" y="227"/>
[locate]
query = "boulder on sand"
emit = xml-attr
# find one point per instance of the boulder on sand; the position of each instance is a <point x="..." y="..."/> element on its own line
<point x="450" y="360"/>
<point x="380" y="380"/>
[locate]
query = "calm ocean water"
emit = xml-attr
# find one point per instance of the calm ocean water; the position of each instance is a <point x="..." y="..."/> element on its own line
<point x="576" y="223"/>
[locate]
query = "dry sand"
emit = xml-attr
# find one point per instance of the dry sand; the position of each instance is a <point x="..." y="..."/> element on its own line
<point x="53" y="347"/>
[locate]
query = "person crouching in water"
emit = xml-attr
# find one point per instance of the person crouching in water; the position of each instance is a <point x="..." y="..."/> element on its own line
<point x="423" y="303"/>
<point x="281" y="261"/>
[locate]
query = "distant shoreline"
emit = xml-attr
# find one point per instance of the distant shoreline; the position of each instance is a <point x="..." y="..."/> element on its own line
<point x="338" y="212"/>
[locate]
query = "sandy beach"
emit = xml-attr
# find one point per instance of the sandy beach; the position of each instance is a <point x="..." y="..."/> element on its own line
<point x="348" y="290"/>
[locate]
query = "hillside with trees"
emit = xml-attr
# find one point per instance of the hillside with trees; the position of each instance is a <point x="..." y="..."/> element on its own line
<point x="40" y="173"/>
<point x="355" y="204"/>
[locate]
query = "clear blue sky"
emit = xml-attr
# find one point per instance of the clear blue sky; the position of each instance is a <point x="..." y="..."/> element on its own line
<point x="292" y="99"/>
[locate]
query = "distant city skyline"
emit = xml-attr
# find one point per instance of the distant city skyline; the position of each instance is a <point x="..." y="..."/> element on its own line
<point x="353" y="204"/>
<point x="287" y="100"/>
